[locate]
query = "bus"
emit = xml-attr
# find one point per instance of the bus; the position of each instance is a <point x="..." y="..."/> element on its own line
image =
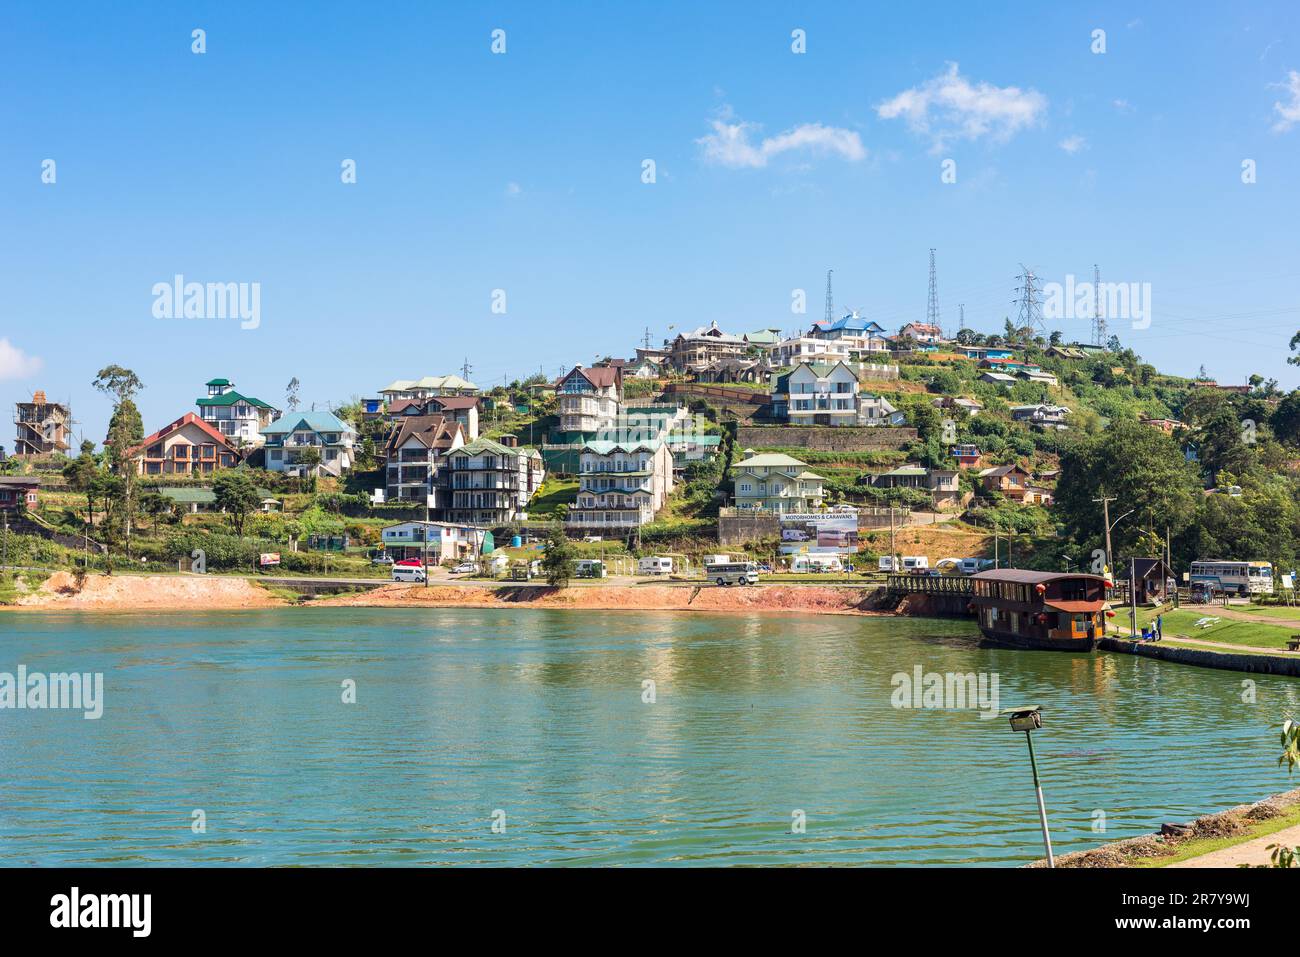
<point x="733" y="573"/>
<point x="1243" y="578"/>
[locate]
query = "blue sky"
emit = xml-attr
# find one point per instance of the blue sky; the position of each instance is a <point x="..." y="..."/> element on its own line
<point x="523" y="172"/>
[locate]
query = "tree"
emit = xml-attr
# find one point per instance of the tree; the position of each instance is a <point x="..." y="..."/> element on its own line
<point x="81" y="474"/>
<point x="1285" y="419"/>
<point x="155" y="505"/>
<point x="291" y="395"/>
<point x="310" y="459"/>
<point x="1295" y="343"/>
<point x="558" y="558"/>
<point x="237" y="496"/>
<point x="124" y="433"/>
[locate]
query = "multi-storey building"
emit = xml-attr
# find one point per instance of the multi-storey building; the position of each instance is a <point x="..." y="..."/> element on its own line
<point x="621" y="485"/>
<point x="824" y="393"/>
<point x="43" y="426"/>
<point x="776" y="483"/>
<point x="489" y="483"/>
<point x="702" y="346"/>
<point x="240" y="418"/>
<point x="428" y="386"/>
<point x="458" y="408"/>
<point x="414" y="452"/>
<point x="791" y="352"/>
<point x="188" y="446"/>
<point x="590" y="399"/>
<point x="290" y="437"/>
<point x="856" y="332"/>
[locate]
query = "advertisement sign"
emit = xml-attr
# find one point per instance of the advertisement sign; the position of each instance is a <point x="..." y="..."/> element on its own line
<point x="269" y="558"/>
<point x="819" y="533"/>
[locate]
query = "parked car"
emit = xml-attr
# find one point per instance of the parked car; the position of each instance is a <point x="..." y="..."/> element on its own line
<point x="409" y="563"/>
<point x="465" y="568"/>
<point x="382" y="560"/>
<point x="407" y="573"/>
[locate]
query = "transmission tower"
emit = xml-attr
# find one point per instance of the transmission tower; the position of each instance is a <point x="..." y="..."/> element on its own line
<point x="1098" y="313"/>
<point x="1029" y="301"/>
<point x="961" y="314"/>
<point x="466" y="369"/>
<point x="646" y="340"/>
<point x="830" y="301"/>
<point x="932" y="311"/>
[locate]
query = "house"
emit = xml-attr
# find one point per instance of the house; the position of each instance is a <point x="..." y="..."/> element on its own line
<point x="1010" y="480"/>
<point x="984" y="352"/>
<point x="240" y="418"/>
<point x="291" y="435"/>
<point x="949" y="403"/>
<point x="187" y="446"/>
<point x="414" y="451"/>
<point x="645" y="367"/>
<point x="967" y="456"/>
<point x="462" y="409"/>
<point x="490" y="483"/>
<point x="998" y="379"/>
<point x="791" y="352"/>
<point x="1043" y="416"/>
<point x="621" y="485"/>
<point x="824" y="393"/>
<point x="776" y="483"/>
<point x="1066" y="352"/>
<point x="1167" y="426"/>
<point x="702" y="346"/>
<point x="1013" y="366"/>
<point x="427" y="386"/>
<point x="1155" y="580"/>
<point x="942" y="484"/>
<point x="855" y="331"/>
<point x="763" y="339"/>
<point x="1036" y="494"/>
<point x="690" y="446"/>
<point x="43" y="426"/>
<point x="590" y="399"/>
<point x="1043" y="378"/>
<point x="436" y="542"/>
<point x="18" y="492"/>
<point x="923" y="332"/>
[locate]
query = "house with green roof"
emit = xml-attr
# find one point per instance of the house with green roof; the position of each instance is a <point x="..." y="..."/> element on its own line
<point x="621" y="485"/>
<point x="490" y="483"/>
<point x="240" y="418"/>
<point x="776" y="482"/>
<point x="289" y="438"/>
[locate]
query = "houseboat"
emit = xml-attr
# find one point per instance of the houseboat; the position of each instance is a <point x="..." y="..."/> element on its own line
<point x="1043" y="611"/>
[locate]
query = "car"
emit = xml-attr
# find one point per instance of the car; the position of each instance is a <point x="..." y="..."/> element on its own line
<point x="465" y="568"/>
<point x="407" y="573"/>
<point x="409" y="563"/>
<point x="765" y="568"/>
<point x="382" y="560"/>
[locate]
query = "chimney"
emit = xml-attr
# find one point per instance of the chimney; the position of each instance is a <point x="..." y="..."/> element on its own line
<point x="510" y="441"/>
<point x="38" y="397"/>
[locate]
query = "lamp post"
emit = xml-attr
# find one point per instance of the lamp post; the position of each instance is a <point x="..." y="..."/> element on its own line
<point x="1028" y="720"/>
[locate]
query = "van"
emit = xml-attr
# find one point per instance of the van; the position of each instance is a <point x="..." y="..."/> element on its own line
<point x="733" y="573"/>
<point x="589" y="568"/>
<point x="408" y="573"/>
<point x="969" y="566"/>
<point x="915" y="563"/>
<point x="655" y="565"/>
<point x="885" y="563"/>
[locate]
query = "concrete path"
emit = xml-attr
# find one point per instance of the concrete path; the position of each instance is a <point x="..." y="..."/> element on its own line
<point x="1251" y="852"/>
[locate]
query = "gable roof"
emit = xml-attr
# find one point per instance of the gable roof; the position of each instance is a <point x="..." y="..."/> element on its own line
<point x="481" y="445"/>
<point x="430" y="382"/>
<point x="431" y="431"/>
<point x="771" y="460"/>
<point x="230" y="398"/>
<point x="599" y="376"/>
<point x="189" y="418"/>
<point x="453" y="402"/>
<point x="310" y="421"/>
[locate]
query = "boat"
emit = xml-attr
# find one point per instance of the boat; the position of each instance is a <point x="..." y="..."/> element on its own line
<point x="1039" y="611"/>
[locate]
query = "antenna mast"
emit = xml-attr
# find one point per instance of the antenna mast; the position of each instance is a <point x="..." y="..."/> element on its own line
<point x="932" y="310"/>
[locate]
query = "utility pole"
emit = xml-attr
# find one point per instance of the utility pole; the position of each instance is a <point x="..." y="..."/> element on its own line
<point x="1105" y="501"/>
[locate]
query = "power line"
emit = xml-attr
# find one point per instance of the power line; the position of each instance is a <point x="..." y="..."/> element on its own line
<point x="1030" y="303"/>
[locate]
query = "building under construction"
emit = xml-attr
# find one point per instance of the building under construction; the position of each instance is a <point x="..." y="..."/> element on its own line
<point x="43" y="426"/>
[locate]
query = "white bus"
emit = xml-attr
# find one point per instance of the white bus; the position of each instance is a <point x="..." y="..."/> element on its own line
<point x="733" y="573"/>
<point x="1243" y="578"/>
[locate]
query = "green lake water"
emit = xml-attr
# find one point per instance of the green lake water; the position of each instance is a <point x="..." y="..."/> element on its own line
<point x="463" y="713"/>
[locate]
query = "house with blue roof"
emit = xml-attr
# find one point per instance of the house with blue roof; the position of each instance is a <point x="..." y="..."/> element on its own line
<point x="289" y="438"/>
<point x="859" y="333"/>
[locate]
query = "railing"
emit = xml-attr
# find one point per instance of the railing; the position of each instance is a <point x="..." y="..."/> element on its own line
<point x="907" y="584"/>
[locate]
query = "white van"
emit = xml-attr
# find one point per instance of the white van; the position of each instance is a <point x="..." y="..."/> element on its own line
<point x="655" y="565"/>
<point x="885" y="563"/>
<point x="915" y="563"/>
<point x="408" y="573"/>
<point x="969" y="566"/>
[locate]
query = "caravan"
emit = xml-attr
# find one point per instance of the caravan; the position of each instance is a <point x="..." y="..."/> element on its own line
<point x="655" y="565"/>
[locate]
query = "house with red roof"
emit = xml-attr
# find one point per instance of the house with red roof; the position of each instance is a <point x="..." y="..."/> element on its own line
<point x="188" y="446"/>
<point x="590" y="399"/>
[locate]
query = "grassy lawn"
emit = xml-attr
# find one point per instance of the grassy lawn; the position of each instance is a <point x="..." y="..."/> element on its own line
<point x="1182" y="622"/>
<point x="1195" y="848"/>
<point x="1275" y="611"/>
<point x="553" y="493"/>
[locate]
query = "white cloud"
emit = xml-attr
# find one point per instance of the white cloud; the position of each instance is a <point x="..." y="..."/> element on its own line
<point x="1124" y="106"/>
<point x="949" y="107"/>
<point x="1288" y="113"/>
<point x="730" y="144"/>
<point x="513" y="189"/>
<point x="16" y="364"/>
<point x="1073" y="143"/>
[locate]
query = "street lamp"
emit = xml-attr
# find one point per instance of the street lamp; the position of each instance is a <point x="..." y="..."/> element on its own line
<point x="1028" y="720"/>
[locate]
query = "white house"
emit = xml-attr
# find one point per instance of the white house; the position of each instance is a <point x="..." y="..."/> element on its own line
<point x="490" y="483"/>
<point x="859" y="333"/>
<point x="922" y="332"/>
<point x="240" y="418"/>
<point x="789" y="352"/>
<point x="826" y="393"/>
<point x="590" y="399"/>
<point x="443" y="541"/>
<point x="621" y="484"/>
<point x="290" y="436"/>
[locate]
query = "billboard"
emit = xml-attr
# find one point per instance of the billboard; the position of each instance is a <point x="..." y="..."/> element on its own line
<point x="819" y="533"/>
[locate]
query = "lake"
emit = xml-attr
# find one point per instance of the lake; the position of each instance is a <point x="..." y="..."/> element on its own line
<point x="771" y="740"/>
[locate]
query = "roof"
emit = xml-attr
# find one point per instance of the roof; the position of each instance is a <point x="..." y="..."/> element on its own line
<point x="600" y="376"/>
<point x="230" y="398"/>
<point x="771" y="460"/>
<point x="998" y="377"/>
<point x="764" y="336"/>
<point x="430" y="382"/>
<point x="905" y="470"/>
<point x="311" y="421"/>
<point x="1000" y="470"/>
<point x="1076" y="607"/>
<point x="481" y="445"/>
<point x="431" y="431"/>
<point x="602" y="447"/>
<point x="1024" y="576"/>
<point x="218" y="382"/>
<point x="189" y="418"/>
<point x="925" y="327"/>
<point x="454" y="402"/>
<point x="20" y="480"/>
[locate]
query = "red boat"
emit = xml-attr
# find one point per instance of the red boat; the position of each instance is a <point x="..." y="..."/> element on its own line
<point x="1041" y="611"/>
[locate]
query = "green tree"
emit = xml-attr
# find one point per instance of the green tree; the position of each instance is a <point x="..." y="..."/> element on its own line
<point x="237" y="496"/>
<point x="558" y="558"/>
<point x="81" y="474"/>
<point x="155" y="505"/>
<point x="124" y="434"/>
